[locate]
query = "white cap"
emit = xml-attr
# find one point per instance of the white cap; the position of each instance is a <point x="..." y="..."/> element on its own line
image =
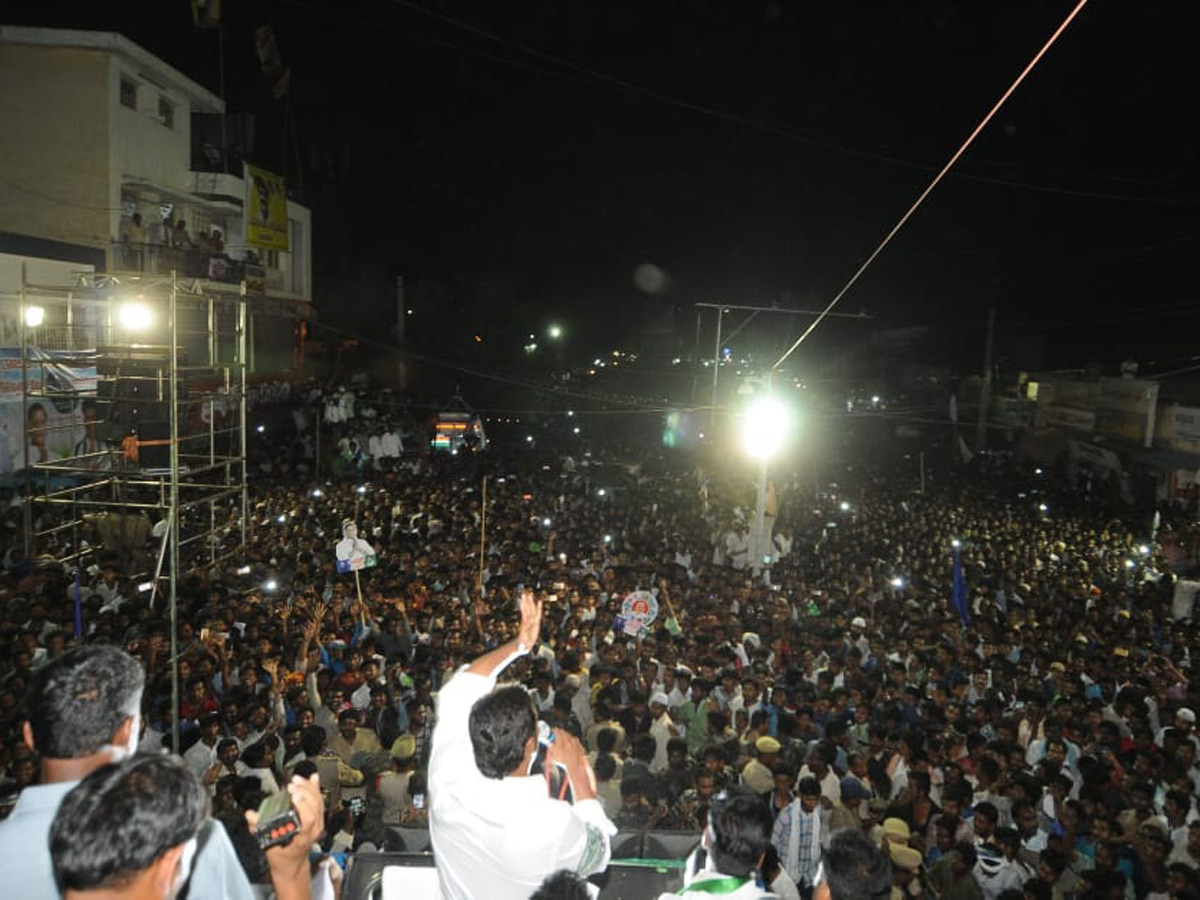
<point x="858" y="622"/>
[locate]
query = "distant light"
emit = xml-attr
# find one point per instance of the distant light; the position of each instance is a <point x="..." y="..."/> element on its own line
<point x="410" y="312"/>
<point x="875" y="398"/>
<point x="545" y="523"/>
<point x="701" y="435"/>
<point x="261" y="428"/>
<point x="1042" y="507"/>
<point x="601" y="492"/>
<point x="1037" y="471"/>
<point x="134" y="316"/>
<point x="34" y="316"/>
<point x="1129" y="563"/>
<point x="570" y="412"/>
<point x="676" y="361"/>
<point x="316" y="492"/>
<point x="608" y="539"/>
<point x="897" y="582"/>
<point x="554" y="332"/>
<point x="479" y="338"/>
<point x="956" y="543"/>
<point x="597" y="362"/>
<point x="281" y="518"/>
<point x="271" y="585"/>
<point x="529" y="438"/>
<point x="244" y="570"/>
<point x="845" y="507"/>
<point x="575" y="429"/>
<point x="362" y="488"/>
<point x="562" y="557"/>
<point x="1144" y="549"/>
<point x="146" y="586"/>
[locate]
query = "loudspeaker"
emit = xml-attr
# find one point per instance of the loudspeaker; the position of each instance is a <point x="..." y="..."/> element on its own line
<point x="364" y="873"/>
<point x="669" y="844"/>
<point x="154" y="445"/>
<point x="627" y="845"/>
<point x="406" y="839"/>
<point x="632" y="881"/>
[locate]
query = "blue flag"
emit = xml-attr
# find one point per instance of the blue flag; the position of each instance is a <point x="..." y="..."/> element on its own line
<point x="960" y="588"/>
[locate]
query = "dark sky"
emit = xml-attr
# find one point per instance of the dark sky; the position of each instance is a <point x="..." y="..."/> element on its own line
<point x="754" y="150"/>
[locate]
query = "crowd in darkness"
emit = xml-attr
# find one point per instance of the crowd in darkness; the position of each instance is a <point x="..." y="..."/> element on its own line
<point x="1041" y="741"/>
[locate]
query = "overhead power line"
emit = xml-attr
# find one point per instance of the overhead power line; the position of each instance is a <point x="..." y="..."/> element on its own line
<point x="574" y="71"/>
<point x="936" y="181"/>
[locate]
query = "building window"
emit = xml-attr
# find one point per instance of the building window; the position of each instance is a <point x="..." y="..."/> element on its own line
<point x="129" y="91"/>
<point x="166" y="111"/>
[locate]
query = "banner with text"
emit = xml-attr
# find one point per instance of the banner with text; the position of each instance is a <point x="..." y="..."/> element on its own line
<point x="266" y="210"/>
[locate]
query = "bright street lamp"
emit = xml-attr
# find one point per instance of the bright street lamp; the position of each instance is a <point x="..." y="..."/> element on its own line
<point x="134" y="316"/>
<point x="554" y="332"/>
<point x="34" y="316"/>
<point x="765" y="427"/>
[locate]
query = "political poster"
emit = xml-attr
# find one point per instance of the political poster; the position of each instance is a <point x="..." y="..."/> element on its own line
<point x="266" y="209"/>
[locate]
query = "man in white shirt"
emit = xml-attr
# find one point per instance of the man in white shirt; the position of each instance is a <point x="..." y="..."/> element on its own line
<point x="495" y="830"/>
<point x="731" y="850"/>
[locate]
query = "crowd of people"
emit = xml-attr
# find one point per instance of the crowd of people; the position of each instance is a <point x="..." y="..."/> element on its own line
<point x="1038" y="741"/>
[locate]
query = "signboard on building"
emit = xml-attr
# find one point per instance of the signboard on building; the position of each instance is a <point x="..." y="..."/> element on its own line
<point x="266" y="209"/>
<point x="1071" y="419"/>
<point x="1125" y="409"/>
<point x="1178" y="427"/>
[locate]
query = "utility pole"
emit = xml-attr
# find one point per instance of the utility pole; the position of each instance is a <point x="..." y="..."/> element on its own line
<point x="985" y="388"/>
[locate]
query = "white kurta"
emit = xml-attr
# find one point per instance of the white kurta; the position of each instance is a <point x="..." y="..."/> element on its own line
<point x="500" y="838"/>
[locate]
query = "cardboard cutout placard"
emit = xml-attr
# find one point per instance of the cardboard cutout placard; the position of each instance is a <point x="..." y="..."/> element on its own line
<point x="353" y="553"/>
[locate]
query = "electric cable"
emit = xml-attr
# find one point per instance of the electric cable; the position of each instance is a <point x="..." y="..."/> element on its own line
<point x="933" y="184"/>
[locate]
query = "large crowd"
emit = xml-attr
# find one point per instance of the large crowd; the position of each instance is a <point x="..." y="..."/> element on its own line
<point x="1039" y="739"/>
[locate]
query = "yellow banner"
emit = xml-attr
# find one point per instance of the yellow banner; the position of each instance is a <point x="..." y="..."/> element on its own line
<point x="266" y="210"/>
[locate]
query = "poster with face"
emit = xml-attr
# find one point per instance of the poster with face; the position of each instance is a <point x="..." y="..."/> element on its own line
<point x="352" y="552"/>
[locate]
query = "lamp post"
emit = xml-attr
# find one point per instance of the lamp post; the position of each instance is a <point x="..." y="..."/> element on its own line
<point x="765" y="426"/>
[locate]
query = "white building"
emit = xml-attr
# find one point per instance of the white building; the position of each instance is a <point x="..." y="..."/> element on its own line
<point x="98" y="130"/>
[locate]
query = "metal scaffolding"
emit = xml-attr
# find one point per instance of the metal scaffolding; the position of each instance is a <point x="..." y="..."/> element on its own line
<point x="170" y="362"/>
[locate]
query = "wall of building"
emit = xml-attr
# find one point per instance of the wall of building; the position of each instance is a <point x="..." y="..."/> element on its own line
<point x="54" y="170"/>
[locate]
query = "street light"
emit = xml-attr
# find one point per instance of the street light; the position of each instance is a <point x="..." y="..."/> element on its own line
<point x="765" y="426"/>
<point x="34" y="316"/>
<point x="134" y="316"/>
<point x="554" y="332"/>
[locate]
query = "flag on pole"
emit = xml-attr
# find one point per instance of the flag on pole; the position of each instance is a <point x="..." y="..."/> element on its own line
<point x="960" y="588"/>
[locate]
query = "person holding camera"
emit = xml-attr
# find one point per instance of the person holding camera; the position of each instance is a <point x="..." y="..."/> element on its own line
<point x="495" y="829"/>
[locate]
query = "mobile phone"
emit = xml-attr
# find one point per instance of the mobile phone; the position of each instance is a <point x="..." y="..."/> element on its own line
<point x="278" y="821"/>
<point x="418" y="801"/>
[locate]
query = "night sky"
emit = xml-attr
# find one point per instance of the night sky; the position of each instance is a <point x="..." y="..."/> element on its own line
<point x="756" y="151"/>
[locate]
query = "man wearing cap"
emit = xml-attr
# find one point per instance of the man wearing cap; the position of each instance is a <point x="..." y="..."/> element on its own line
<point x="392" y="786"/>
<point x="847" y="814"/>
<point x="906" y="871"/>
<point x="757" y="775"/>
<point x="1185" y="724"/>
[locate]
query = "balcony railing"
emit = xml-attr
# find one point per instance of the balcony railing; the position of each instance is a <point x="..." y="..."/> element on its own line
<point x="157" y="259"/>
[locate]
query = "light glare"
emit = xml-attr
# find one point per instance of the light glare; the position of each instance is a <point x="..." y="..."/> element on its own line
<point x="134" y="316"/>
<point x="764" y="427"/>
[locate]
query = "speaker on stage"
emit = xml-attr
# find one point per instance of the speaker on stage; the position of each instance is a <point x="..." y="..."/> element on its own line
<point x="637" y="880"/>
<point x="154" y="445"/>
